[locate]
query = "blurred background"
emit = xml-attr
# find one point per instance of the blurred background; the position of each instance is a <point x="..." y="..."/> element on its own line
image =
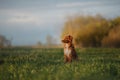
<point x="43" y="23"/>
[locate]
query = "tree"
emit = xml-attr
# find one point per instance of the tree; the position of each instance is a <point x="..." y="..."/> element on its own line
<point x="87" y="31"/>
<point x="93" y="31"/>
<point x="4" y="42"/>
<point x="113" y="38"/>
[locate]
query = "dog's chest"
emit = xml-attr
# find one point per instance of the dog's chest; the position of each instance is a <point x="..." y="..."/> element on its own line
<point x="67" y="50"/>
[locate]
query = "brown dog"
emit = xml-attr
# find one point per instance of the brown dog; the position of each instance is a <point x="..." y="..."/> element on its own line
<point x="69" y="50"/>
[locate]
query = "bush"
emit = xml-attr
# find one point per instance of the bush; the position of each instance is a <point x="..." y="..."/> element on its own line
<point x="113" y="38"/>
<point x="93" y="31"/>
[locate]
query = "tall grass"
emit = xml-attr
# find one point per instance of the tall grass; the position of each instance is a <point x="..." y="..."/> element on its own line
<point x="48" y="64"/>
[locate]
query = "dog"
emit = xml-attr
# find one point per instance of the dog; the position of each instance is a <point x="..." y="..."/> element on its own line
<point x="69" y="50"/>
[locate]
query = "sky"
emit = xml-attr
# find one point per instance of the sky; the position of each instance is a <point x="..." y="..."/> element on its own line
<point x="28" y="21"/>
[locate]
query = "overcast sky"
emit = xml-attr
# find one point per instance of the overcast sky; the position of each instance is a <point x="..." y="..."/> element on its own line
<point x="29" y="21"/>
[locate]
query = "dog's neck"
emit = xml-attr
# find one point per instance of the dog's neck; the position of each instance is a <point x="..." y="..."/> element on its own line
<point x="68" y="45"/>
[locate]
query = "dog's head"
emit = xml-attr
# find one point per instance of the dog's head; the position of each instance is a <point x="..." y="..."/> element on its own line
<point x="67" y="39"/>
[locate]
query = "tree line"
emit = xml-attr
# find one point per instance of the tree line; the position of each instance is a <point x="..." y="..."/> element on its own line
<point x="93" y="31"/>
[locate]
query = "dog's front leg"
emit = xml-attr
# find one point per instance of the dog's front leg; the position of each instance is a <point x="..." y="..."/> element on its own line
<point x="65" y="59"/>
<point x="70" y="58"/>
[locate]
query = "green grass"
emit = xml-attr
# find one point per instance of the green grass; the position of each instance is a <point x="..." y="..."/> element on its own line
<point x="48" y="64"/>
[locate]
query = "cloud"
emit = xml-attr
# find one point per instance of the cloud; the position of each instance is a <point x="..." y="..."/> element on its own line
<point x="34" y="25"/>
<point x="23" y="19"/>
<point x="15" y="17"/>
<point x="76" y="4"/>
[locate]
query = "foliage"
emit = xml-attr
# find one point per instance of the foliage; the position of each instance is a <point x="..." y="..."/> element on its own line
<point x="93" y="31"/>
<point x="4" y="42"/>
<point x="113" y="38"/>
<point x="48" y="64"/>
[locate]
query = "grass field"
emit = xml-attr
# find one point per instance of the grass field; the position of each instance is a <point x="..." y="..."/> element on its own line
<point x="48" y="64"/>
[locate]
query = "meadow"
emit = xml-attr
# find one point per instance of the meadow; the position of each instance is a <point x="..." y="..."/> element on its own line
<point x="48" y="64"/>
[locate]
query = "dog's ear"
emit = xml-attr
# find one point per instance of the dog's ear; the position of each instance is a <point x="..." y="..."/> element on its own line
<point x="70" y="38"/>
